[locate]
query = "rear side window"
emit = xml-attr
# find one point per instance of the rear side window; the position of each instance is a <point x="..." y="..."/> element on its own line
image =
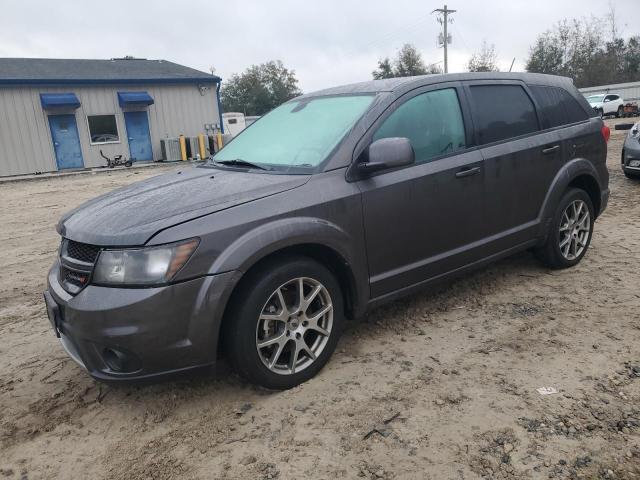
<point x="432" y="122"/>
<point x="558" y="106"/>
<point x="502" y="111"/>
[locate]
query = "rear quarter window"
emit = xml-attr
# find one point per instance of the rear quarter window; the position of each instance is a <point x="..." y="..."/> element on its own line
<point x="501" y="112"/>
<point x="558" y="107"/>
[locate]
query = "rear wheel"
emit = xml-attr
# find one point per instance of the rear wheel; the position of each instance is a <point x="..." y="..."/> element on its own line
<point x="285" y="328"/>
<point x="571" y="230"/>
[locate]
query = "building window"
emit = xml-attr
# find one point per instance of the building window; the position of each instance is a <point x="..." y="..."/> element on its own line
<point x="103" y="129"/>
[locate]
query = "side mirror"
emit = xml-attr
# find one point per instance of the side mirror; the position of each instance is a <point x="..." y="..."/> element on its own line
<point x="388" y="153"/>
<point x="606" y="100"/>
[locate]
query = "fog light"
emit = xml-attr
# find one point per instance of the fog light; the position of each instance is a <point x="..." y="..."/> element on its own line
<point x="119" y="361"/>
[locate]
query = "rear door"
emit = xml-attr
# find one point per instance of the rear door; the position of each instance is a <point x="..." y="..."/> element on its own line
<point x="422" y="220"/>
<point x="562" y="112"/>
<point x="520" y="160"/>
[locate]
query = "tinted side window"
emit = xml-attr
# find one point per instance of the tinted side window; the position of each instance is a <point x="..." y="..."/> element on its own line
<point x="502" y="111"/>
<point x="431" y="121"/>
<point x="558" y="106"/>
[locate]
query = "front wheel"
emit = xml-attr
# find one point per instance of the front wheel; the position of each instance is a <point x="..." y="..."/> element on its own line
<point x="571" y="230"/>
<point x="620" y="112"/>
<point x="285" y="322"/>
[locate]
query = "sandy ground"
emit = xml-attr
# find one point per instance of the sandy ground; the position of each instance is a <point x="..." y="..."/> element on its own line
<point x="436" y="386"/>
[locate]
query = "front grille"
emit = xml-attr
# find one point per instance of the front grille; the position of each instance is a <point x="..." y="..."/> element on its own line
<point x="82" y="251"/>
<point x="75" y="278"/>
<point x="76" y="264"/>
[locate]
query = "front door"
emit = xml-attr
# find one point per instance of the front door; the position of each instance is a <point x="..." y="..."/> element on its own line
<point x="424" y="220"/>
<point x="137" y="124"/>
<point x="66" y="143"/>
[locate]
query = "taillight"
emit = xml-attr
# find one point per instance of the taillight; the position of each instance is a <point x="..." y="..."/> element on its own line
<point x="606" y="133"/>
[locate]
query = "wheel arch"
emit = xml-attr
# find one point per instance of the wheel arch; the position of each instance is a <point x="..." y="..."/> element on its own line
<point x="316" y="239"/>
<point x="578" y="173"/>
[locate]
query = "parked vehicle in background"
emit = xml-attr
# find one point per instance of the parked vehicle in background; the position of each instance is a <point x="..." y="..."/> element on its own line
<point x="249" y="119"/>
<point x="234" y="122"/>
<point x="631" y="153"/>
<point x="606" y="104"/>
<point x="377" y="190"/>
<point x="631" y="109"/>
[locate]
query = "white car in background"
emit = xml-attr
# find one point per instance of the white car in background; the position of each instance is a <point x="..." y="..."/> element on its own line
<point x="607" y="104"/>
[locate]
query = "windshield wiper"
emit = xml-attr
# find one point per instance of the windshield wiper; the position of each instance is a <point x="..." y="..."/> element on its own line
<point x="238" y="162"/>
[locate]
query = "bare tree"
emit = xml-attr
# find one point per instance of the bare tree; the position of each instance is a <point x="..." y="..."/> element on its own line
<point x="484" y="60"/>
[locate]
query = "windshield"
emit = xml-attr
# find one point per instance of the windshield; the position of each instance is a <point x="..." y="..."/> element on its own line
<point x="298" y="135"/>
<point x="595" y="98"/>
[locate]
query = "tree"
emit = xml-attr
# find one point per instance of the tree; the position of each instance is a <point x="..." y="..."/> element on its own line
<point x="407" y="63"/>
<point x="578" y="49"/>
<point x="484" y="60"/>
<point x="384" y="70"/>
<point x="259" y="89"/>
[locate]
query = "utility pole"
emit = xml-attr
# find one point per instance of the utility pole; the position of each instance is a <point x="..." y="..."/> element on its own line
<point x="444" y="20"/>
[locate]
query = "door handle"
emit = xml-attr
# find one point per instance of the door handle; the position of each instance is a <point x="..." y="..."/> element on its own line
<point x="467" y="172"/>
<point x="550" y="150"/>
<point x="130" y="138"/>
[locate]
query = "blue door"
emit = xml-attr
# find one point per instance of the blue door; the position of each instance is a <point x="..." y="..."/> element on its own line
<point x="138" y="132"/>
<point x="66" y="142"/>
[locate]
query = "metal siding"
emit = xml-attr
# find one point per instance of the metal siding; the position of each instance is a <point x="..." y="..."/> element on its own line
<point x="25" y="138"/>
<point x="628" y="91"/>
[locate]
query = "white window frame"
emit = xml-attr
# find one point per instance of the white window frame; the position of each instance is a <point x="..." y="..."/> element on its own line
<point x="115" y="116"/>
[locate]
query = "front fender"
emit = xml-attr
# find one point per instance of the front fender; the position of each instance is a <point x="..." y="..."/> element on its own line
<point x="271" y="237"/>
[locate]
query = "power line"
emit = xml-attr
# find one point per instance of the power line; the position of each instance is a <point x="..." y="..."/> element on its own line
<point x="394" y="33"/>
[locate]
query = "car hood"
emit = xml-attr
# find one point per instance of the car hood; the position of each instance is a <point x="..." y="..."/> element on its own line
<point x="131" y="215"/>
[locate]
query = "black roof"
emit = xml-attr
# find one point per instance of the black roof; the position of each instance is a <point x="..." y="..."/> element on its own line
<point x="407" y="83"/>
<point x="49" y="71"/>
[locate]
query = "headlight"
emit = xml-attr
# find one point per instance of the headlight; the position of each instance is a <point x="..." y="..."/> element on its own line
<point x="143" y="266"/>
<point x="635" y="131"/>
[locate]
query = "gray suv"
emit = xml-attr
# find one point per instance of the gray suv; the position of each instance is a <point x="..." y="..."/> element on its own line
<point x="331" y="204"/>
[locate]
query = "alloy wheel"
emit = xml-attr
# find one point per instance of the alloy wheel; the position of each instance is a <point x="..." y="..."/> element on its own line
<point x="294" y="325"/>
<point x="575" y="228"/>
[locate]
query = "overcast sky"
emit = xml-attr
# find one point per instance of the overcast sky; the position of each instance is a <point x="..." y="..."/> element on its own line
<point x="327" y="42"/>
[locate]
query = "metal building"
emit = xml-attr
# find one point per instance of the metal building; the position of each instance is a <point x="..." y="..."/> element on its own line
<point x="58" y="114"/>
<point x="628" y="91"/>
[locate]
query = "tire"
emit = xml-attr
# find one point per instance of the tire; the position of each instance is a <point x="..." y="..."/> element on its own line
<point x="601" y="113"/>
<point x="258" y="317"/>
<point x="620" y="112"/>
<point x="128" y="163"/>
<point x="552" y="254"/>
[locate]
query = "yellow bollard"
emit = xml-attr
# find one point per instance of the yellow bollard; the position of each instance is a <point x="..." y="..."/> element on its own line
<point x="183" y="148"/>
<point x="219" y="140"/>
<point x="203" y="150"/>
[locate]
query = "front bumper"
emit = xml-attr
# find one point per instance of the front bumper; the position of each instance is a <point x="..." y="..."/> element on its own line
<point x="631" y="154"/>
<point x="142" y="332"/>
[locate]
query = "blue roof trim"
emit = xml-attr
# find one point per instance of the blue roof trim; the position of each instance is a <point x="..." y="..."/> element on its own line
<point x="134" y="99"/>
<point x="93" y="81"/>
<point x="59" y="100"/>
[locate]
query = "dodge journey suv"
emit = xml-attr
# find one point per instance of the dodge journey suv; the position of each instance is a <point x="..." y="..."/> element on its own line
<point x="331" y="204"/>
